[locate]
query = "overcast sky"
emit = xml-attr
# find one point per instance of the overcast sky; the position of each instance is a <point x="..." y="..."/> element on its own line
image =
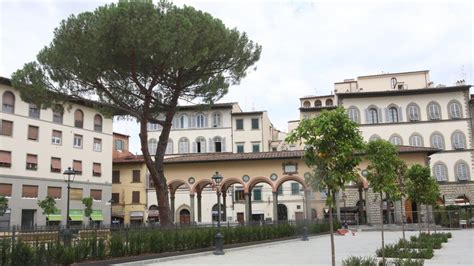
<point x="307" y="45"/>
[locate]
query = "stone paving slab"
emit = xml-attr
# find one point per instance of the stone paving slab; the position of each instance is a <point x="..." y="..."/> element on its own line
<point x="458" y="251"/>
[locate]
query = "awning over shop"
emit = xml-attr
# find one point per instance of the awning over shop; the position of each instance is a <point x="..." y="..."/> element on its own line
<point x="76" y="215"/>
<point x="136" y="215"/>
<point x="54" y="217"/>
<point x="96" y="215"/>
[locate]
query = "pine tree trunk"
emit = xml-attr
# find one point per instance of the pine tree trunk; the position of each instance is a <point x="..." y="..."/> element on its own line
<point x="383" y="240"/>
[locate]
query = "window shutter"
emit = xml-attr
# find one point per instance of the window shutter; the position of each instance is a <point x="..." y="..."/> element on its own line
<point x="211" y="145"/>
<point x="367" y="117"/>
<point x="379" y="113"/>
<point x="96" y="194"/>
<point x="56" y="163"/>
<point x="223" y="144"/>
<point x="203" y="145"/>
<point x="206" y="120"/>
<point x="388" y="119"/>
<point x="194" y="147"/>
<point x="6" y="190"/>
<point x="54" y="192"/>
<point x="192" y="120"/>
<point x="7" y="128"/>
<point x="96" y="168"/>
<point x="400" y="117"/>
<point x="29" y="191"/>
<point x="32" y="158"/>
<point x="5" y="157"/>
<point x="77" y="166"/>
<point x="33" y="132"/>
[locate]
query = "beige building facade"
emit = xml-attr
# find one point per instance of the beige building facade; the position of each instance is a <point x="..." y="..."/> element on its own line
<point x="37" y="145"/>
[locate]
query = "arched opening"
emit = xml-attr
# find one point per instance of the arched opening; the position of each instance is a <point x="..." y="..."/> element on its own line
<point x="306" y="104"/>
<point x="153" y="215"/>
<point x="184" y="216"/>
<point x="78" y="119"/>
<point x="215" y="211"/>
<point x="329" y="102"/>
<point x="282" y="211"/>
<point x="8" y="102"/>
<point x="98" y="123"/>
<point x="318" y="103"/>
<point x="314" y="214"/>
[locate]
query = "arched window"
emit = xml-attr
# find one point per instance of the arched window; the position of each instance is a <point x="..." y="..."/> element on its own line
<point x="372" y="116"/>
<point x="183" y="121"/>
<point x="34" y="111"/>
<point x="434" y="111"/>
<point x="8" y="102"/>
<point x="79" y="118"/>
<point x="392" y="115"/>
<point x="183" y="145"/>
<point x="98" y="123"/>
<point x="58" y="114"/>
<point x="306" y="104"/>
<point x="455" y="110"/>
<point x="416" y="140"/>
<point x="318" y="103"/>
<point x="201" y="121"/>
<point x="461" y="170"/>
<point x="395" y="139"/>
<point x="199" y="145"/>
<point x="329" y="102"/>
<point x="437" y="141"/>
<point x="458" y="140"/>
<point x="440" y="172"/>
<point x="413" y="112"/>
<point x="374" y="138"/>
<point x="153" y="126"/>
<point x="169" y="147"/>
<point x="354" y="114"/>
<point x="152" y="146"/>
<point x="216" y="119"/>
<point x="218" y="144"/>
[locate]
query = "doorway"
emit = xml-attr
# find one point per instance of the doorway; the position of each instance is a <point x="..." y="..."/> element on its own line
<point x="184" y="216"/>
<point x="27" y="218"/>
<point x="282" y="212"/>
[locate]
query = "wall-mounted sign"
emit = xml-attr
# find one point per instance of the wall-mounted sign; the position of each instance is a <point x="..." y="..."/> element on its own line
<point x="290" y="168"/>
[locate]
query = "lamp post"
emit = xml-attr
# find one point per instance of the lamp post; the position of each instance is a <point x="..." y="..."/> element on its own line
<point x="111" y="201"/>
<point x="219" y="238"/>
<point x="68" y="173"/>
<point x="344" y="198"/>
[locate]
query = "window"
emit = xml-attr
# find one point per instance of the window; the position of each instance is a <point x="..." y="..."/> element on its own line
<point x="374" y="138"/>
<point x="32" y="162"/>
<point x="459" y="141"/>
<point x="77" y="167"/>
<point x="462" y="171"/>
<point x="116" y="197"/>
<point x="372" y="116"/>
<point x="34" y="111"/>
<point x="98" y="123"/>
<point x="257" y="193"/>
<point x="152" y="146"/>
<point x="201" y="121"/>
<point x="169" y="147"/>
<point x="255" y="123"/>
<point x="183" y="121"/>
<point x="437" y="141"/>
<point x="183" y="145"/>
<point x="115" y="177"/>
<point x="393" y="115"/>
<point x="295" y="188"/>
<point x="5" y="159"/>
<point x="29" y="191"/>
<point x="354" y="114"/>
<point x="416" y="140"/>
<point x="413" y="112"/>
<point x="318" y="103"/>
<point x="396" y="140"/>
<point x="255" y="147"/>
<point x="96" y="169"/>
<point x="56" y="137"/>
<point x="54" y="192"/>
<point x="6" y="190"/>
<point x="239" y="194"/>
<point x="434" y="111"/>
<point x="239" y="124"/>
<point x="240" y="148"/>
<point x="136" y="176"/>
<point x="329" y="102"/>
<point x="455" y="110"/>
<point x="55" y="165"/>
<point x="119" y="145"/>
<point x="76" y="194"/>
<point x="199" y="145"/>
<point x="96" y="194"/>
<point x="217" y="119"/>
<point x="218" y="144"/>
<point x="77" y="141"/>
<point x="8" y="102"/>
<point x="97" y="145"/>
<point x="6" y="128"/>
<point x="440" y="172"/>
<point x="135" y="196"/>
<point x="280" y="190"/>
<point x="153" y="127"/>
<point x="78" y="118"/>
<point x="306" y="104"/>
<point x="58" y="115"/>
<point x="33" y="132"/>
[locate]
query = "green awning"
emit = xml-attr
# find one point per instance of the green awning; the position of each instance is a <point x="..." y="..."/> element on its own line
<point x="54" y="217"/>
<point x="96" y="215"/>
<point x="76" y="215"/>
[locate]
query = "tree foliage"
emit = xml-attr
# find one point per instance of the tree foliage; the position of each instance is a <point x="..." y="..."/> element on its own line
<point x="88" y="206"/>
<point x="3" y="205"/>
<point x="421" y="186"/>
<point x="139" y="59"/>
<point x="48" y="205"/>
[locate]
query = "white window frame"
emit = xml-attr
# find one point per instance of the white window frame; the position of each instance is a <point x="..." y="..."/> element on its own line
<point x="459" y="140"/>
<point x="78" y="141"/>
<point x="416" y="140"/>
<point x="455" y="110"/>
<point x="440" y="172"/>
<point x="97" y="146"/>
<point x="413" y="112"/>
<point x="461" y="171"/>
<point x="436" y="139"/>
<point x="434" y="111"/>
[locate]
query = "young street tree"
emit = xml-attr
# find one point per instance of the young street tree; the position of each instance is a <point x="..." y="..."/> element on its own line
<point x="138" y="59"/>
<point x="383" y="170"/>
<point x="332" y="141"/>
<point x="422" y="188"/>
<point x="48" y="205"/>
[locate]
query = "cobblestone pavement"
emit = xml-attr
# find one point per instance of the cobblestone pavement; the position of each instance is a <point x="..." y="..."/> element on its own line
<point x="458" y="251"/>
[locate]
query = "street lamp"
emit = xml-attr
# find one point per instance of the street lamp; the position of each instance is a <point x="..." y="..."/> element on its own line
<point x="111" y="201"/>
<point x="219" y="238"/>
<point x="344" y="198"/>
<point x="68" y="173"/>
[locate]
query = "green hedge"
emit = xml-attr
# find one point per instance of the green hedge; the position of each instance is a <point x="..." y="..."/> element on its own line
<point x="133" y="242"/>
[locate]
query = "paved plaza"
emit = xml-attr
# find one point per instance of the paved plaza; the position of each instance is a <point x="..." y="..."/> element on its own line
<point x="458" y="251"/>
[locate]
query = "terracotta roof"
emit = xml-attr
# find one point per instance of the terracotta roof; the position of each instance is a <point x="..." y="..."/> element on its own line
<point x="401" y="92"/>
<point x="5" y="81"/>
